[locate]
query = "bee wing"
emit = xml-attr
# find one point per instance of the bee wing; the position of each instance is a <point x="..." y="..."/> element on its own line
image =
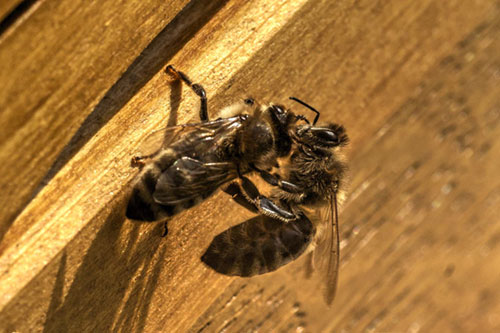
<point x="189" y="178"/>
<point x="194" y="170"/>
<point x="259" y="245"/>
<point x="159" y="138"/>
<point x="326" y="255"/>
<point x="167" y="136"/>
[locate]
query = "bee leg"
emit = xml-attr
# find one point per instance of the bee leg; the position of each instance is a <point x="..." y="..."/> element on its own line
<point x="234" y="190"/>
<point x="303" y="118"/>
<point x="138" y="161"/>
<point x="269" y="208"/>
<point x="197" y="88"/>
<point x="275" y="180"/>
<point x="263" y="204"/>
<point x="307" y="106"/>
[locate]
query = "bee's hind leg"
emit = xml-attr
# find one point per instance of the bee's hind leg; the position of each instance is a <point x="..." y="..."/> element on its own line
<point x="138" y="161"/>
<point x="197" y="88"/>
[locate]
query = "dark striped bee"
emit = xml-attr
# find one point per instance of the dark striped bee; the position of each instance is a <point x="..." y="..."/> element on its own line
<point x="200" y="157"/>
<point x="314" y="171"/>
<point x="299" y="162"/>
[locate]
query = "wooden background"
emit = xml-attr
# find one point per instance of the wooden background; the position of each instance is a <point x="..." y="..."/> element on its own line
<point x="416" y="84"/>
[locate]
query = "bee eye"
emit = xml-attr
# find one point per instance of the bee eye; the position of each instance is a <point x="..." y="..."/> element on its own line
<point x="278" y="109"/>
<point x="326" y="135"/>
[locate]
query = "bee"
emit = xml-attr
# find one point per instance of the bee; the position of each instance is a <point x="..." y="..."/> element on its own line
<point x="315" y="171"/>
<point x="300" y="162"/>
<point x="201" y="157"/>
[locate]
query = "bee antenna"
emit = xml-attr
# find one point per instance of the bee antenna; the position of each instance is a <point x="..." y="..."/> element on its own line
<point x="307" y="106"/>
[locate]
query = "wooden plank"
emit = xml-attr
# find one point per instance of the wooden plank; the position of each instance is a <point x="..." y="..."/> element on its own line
<point x="416" y="85"/>
<point x="7" y="6"/>
<point x="58" y="64"/>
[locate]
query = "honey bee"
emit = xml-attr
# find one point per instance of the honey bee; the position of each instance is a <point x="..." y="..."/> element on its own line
<point x="300" y="162"/>
<point x="314" y="171"/>
<point x="199" y="158"/>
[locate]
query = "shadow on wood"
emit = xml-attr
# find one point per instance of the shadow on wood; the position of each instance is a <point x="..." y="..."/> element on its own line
<point x="416" y="86"/>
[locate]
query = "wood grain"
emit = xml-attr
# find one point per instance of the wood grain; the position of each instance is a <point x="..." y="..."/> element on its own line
<point x="7" y="6"/>
<point x="415" y="83"/>
<point x="59" y="63"/>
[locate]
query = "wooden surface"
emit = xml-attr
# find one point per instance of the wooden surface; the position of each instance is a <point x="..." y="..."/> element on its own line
<point x="416" y="84"/>
<point x="7" y="7"/>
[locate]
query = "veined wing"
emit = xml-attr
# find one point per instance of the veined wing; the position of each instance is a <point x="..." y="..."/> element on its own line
<point x="168" y="136"/>
<point x="258" y="245"/>
<point x="327" y="253"/>
<point x="188" y="178"/>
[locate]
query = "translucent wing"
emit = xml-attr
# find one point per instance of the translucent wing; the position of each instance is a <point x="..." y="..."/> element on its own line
<point x="326" y="254"/>
<point x="167" y="136"/>
<point x="188" y="178"/>
<point x="162" y="137"/>
<point x="154" y="141"/>
<point x="258" y="245"/>
<point x="197" y="166"/>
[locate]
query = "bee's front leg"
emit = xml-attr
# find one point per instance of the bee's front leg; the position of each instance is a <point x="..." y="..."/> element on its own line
<point x="234" y="190"/>
<point x="263" y="204"/>
<point x="274" y="180"/>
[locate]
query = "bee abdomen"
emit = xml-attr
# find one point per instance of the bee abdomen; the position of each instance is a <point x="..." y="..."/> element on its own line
<point x="141" y="205"/>
<point x="258" y="246"/>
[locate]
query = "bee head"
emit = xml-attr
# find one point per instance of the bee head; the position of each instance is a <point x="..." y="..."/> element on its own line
<point x="332" y="135"/>
<point x="280" y="116"/>
<point x="281" y="121"/>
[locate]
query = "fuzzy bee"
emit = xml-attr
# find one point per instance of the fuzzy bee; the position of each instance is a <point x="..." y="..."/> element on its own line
<point x="314" y="171"/>
<point x="300" y="161"/>
<point x="199" y="158"/>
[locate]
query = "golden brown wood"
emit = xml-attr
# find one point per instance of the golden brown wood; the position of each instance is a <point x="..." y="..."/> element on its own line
<point x="7" y="6"/>
<point x="417" y="86"/>
<point x="59" y="63"/>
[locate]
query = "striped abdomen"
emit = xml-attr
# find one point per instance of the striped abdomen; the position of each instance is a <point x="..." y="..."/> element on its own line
<point x="167" y="187"/>
<point x="258" y="245"/>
